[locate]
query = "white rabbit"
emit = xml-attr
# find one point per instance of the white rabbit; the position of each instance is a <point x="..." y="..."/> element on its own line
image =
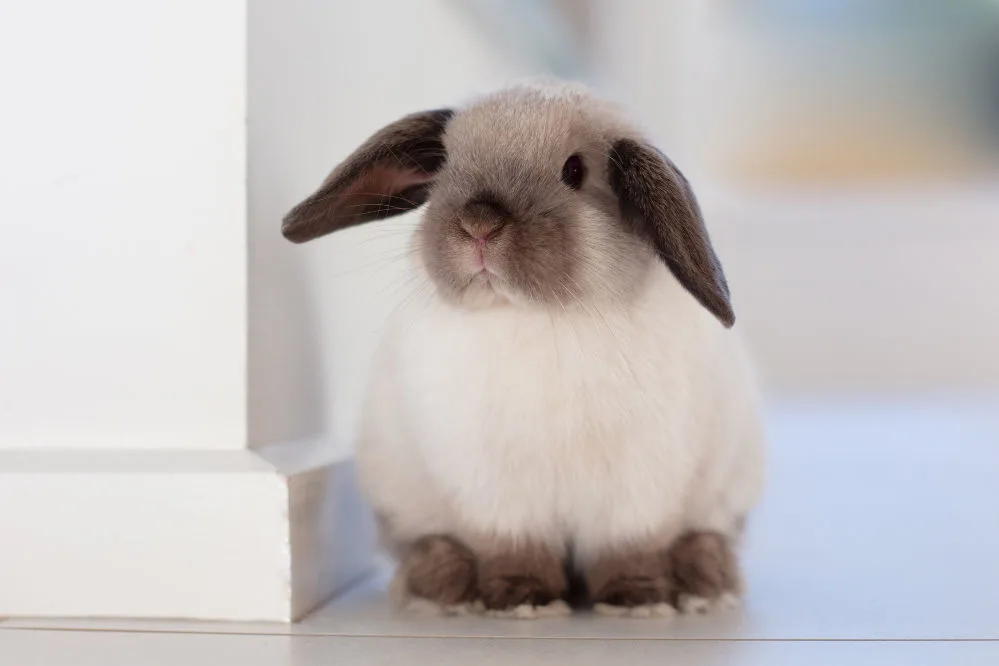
<point x="562" y="398"/>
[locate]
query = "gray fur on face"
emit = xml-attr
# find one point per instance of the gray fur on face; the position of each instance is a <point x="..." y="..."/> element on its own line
<point x="556" y="245"/>
<point x="502" y="227"/>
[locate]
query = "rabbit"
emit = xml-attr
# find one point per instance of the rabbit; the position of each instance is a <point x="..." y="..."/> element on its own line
<point x="561" y="402"/>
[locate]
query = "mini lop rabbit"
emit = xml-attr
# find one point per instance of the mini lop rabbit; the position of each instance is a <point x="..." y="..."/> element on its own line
<point x="568" y="403"/>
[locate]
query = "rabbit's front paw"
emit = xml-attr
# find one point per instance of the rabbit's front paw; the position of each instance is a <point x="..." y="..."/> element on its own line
<point x="525" y="583"/>
<point x="631" y="585"/>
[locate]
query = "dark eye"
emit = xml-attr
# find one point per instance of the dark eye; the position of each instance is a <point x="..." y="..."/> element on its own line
<point x="573" y="172"/>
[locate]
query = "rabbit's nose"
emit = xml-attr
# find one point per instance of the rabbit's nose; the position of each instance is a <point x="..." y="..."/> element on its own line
<point x="481" y="228"/>
<point x="483" y="216"/>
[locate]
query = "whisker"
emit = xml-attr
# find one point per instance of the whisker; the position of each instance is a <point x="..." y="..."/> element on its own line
<point x="378" y="262"/>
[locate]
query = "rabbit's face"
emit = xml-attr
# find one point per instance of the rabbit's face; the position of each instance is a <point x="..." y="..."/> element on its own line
<point x="522" y="210"/>
<point x="539" y="195"/>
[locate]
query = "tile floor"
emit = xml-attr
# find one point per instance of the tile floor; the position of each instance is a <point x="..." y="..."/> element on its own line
<point x="877" y="544"/>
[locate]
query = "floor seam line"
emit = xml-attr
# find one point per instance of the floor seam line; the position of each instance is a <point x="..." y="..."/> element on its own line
<point x="677" y="639"/>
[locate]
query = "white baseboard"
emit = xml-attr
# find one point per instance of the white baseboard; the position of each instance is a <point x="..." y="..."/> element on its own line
<point x="226" y="535"/>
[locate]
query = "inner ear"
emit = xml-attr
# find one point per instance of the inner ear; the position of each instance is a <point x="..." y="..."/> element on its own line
<point x="391" y="173"/>
<point x="383" y="191"/>
<point x="660" y="205"/>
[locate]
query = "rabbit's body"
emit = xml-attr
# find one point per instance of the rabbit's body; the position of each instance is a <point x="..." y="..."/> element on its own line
<point x="563" y="386"/>
<point x="591" y="427"/>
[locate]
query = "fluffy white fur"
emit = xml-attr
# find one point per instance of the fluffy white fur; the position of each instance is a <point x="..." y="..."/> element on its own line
<point x="599" y="427"/>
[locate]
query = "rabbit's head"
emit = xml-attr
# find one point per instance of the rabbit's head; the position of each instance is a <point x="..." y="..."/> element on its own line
<point x="536" y="195"/>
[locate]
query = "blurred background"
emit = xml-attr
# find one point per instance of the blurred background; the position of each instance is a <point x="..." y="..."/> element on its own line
<point x="180" y="386"/>
<point x="845" y="153"/>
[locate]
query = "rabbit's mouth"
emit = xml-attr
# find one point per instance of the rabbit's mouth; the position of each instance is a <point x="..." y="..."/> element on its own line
<point x="484" y="289"/>
<point x="485" y="279"/>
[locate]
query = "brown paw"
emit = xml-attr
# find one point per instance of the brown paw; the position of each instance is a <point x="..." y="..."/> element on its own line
<point x="530" y="576"/>
<point x="629" y="580"/>
<point x="504" y="592"/>
<point x="440" y="569"/>
<point x="631" y="591"/>
<point x="705" y="570"/>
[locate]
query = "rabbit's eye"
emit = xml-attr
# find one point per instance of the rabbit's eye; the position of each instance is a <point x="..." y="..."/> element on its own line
<point x="573" y="172"/>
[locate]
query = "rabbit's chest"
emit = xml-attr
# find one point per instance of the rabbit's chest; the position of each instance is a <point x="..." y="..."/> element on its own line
<point x="546" y="428"/>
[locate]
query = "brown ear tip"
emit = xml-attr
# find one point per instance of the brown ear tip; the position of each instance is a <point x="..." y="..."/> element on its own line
<point x="291" y="229"/>
<point x="726" y="315"/>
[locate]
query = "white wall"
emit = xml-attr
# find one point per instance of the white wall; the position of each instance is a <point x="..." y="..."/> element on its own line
<point x="122" y="211"/>
<point x="323" y="76"/>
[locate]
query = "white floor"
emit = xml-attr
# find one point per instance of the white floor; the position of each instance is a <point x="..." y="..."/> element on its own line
<point x="877" y="544"/>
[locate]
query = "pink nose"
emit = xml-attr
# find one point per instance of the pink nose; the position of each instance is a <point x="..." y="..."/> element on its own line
<point x="481" y="229"/>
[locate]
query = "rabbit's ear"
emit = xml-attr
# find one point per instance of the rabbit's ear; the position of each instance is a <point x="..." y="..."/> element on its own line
<point x="389" y="174"/>
<point x="657" y="201"/>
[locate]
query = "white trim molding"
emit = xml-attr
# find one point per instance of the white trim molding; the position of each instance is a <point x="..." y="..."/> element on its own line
<point x="215" y="535"/>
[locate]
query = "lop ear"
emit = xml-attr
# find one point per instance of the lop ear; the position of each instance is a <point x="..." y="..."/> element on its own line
<point x="388" y="174"/>
<point x="657" y="200"/>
